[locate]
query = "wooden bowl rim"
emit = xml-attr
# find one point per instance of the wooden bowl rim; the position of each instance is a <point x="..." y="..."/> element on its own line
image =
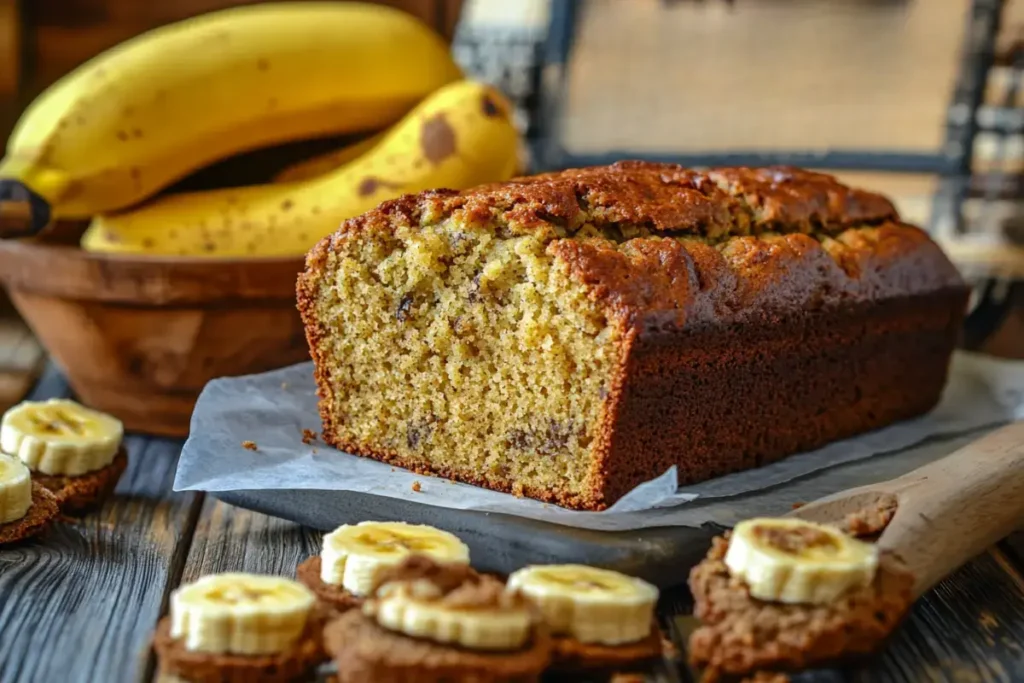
<point x="67" y="271"/>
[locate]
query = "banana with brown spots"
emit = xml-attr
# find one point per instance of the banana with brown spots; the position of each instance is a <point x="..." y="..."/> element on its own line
<point x="134" y="119"/>
<point x="458" y="137"/>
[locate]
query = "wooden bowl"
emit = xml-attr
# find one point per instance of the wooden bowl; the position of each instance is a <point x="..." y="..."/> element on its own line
<point x="139" y="337"/>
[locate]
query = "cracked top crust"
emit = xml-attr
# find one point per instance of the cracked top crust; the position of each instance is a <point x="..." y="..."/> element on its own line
<point x="662" y="198"/>
<point x="668" y="246"/>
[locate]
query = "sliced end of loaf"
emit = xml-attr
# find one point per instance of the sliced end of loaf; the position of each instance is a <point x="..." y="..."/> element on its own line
<point x="458" y="350"/>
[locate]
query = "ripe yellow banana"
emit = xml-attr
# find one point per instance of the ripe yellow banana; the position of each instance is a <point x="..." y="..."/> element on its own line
<point x="238" y="613"/>
<point x="589" y="604"/>
<point x="354" y="556"/>
<point x="419" y="609"/>
<point x="458" y="137"/>
<point x="793" y="561"/>
<point x="60" y="437"/>
<point x="143" y="114"/>
<point x="15" y="489"/>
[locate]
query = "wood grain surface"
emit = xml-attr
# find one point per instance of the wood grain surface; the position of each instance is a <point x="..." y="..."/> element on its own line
<point x="79" y="604"/>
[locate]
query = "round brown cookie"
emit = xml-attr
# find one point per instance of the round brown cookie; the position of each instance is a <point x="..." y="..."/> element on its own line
<point x="740" y="634"/>
<point x="44" y="510"/>
<point x="364" y="651"/>
<point x="333" y="597"/>
<point x="79" y="494"/>
<point x="297" y="664"/>
<point x="571" y="655"/>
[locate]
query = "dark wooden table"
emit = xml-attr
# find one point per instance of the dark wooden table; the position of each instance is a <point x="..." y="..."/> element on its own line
<point x="79" y="603"/>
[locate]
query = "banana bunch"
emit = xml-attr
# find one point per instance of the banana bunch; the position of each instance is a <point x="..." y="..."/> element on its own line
<point x="594" y="606"/>
<point x="793" y="561"/>
<point x="242" y="614"/>
<point x="459" y="136"/>
<point x="60" y="437"/>
<point x="15" y="489"/>
<point x="354" y="556"/>
<point x="134" y="119"/>
<point x="416" y="609"/>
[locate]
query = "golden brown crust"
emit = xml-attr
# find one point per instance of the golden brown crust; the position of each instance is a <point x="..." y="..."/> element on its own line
<point x="334" y="598"/>
<point x="740" y="634"/>
<point x="665" y="198"/>
<point x="40" y="515"/>
<point x="76" y="495"/>
<point x="293" y="666"/>
<point x="364" y="651"/>
<point x="658" y="283"/>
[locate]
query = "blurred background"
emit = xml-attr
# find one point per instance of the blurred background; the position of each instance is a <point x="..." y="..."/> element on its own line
<point x="918" y="99"/>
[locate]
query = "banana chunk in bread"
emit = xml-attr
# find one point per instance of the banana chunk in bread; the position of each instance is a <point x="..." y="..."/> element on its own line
<point x="568" y="336"/>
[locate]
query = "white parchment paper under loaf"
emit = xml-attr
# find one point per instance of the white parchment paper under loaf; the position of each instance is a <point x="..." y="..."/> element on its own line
<point x="273" y="409"/>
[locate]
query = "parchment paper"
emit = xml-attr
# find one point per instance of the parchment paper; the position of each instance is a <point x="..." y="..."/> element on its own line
<point x="273" y="409"/>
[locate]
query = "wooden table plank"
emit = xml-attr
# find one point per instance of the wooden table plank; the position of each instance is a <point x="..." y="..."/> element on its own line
<point x="227" y="538"/>
<point x="79" y="603"/>
<point x="969" y="628"/>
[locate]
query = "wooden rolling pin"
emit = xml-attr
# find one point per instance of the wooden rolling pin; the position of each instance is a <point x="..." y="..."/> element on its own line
<point x="947" y="511"/>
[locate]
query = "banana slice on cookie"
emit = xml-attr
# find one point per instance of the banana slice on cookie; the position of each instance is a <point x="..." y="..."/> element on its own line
<point x="592" y="605"/>
<point x="60" y="437"/>
<point x="355" y="555"/>
<point x="794" y="561"/>
<point x="479" y="617"/>
<point x="242" y="614"/>
<point x="15" y="489"/>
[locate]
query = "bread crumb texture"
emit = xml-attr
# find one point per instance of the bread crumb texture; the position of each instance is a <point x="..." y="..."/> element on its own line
<point x="485" y="335"/>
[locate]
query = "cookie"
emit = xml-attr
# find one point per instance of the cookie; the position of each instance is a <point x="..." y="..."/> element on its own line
<point x="740" y="634"/>
<point x="183" y="666"/>
<point x="334" y="597"/>
<point x="571" y="655"/>
<point x="365" y="651"/>
<point x="43" y="511"/>
<point x="79" y="494"/>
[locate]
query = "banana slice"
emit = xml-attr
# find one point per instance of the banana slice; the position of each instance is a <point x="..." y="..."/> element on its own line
<point x="60" y="437"/>
<point x="243" y="614"/>
<point x="592" y="605"/>
<point x="486" y="618"/>
<point x="793" y="561"/>
<point x="15" y="489"/>
<point x="354" y="556"/>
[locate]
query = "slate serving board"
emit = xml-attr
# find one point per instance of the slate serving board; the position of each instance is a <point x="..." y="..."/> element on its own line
<point x="663" y="555"/>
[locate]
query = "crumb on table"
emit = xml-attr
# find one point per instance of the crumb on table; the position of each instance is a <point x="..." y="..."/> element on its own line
<point x="308" y="436"/>
<point x="797" y="506"/>
<point x="249" y="445"/>
<point x="284" y="385"/>
<point x="416" y="486"/>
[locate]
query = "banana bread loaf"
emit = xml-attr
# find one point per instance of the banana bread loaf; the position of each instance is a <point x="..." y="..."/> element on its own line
<point x="568" y="336"/>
